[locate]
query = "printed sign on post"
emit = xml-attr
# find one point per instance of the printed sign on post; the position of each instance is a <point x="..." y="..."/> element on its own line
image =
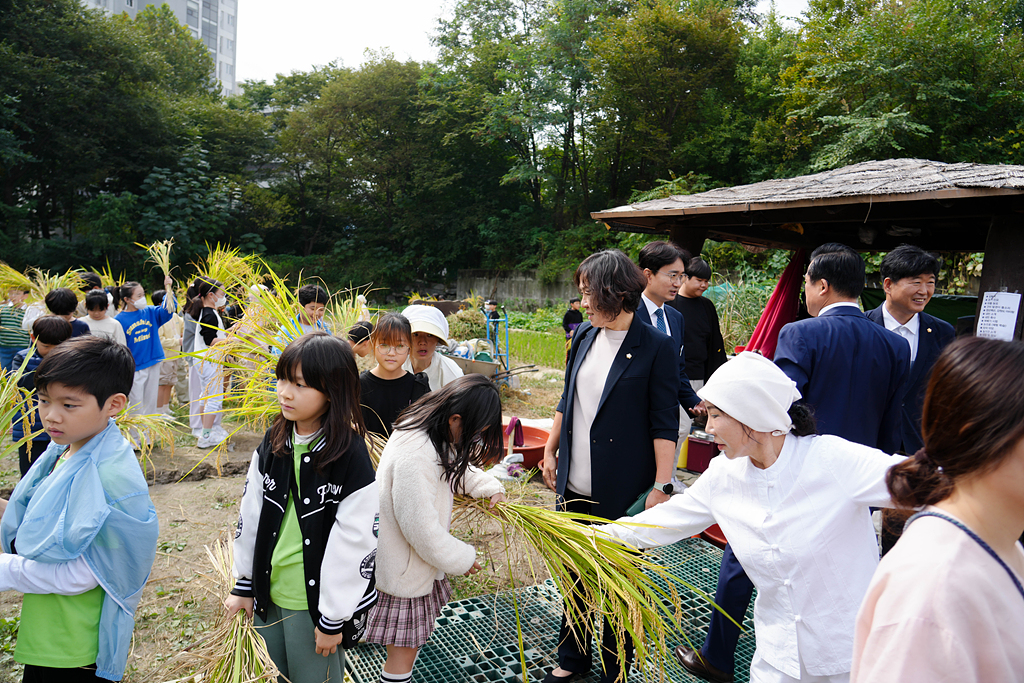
<point x="998" y="317"/>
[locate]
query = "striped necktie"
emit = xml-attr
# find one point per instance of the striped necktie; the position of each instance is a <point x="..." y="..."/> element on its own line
<point x="660" y="324"/>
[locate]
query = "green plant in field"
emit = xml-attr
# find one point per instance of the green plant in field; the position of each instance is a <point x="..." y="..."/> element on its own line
<point x="738" y="312"/>
<point x="540" y="320"/>
<point x="538" y="348"/>
<point x="8" y="638"/>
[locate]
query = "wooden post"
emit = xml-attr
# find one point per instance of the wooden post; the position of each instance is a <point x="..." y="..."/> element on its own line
<point x="690" y="239"/>
<point x="1003" y="270"/>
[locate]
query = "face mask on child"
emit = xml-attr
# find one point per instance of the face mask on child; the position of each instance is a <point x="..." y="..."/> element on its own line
<point x="221" y="302"/>
<point x="140" y="302"/>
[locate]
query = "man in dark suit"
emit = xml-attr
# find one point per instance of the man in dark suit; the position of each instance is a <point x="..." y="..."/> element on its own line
<point x="854" y="374"/>
<point x="663" y="264"/>
<point x="908" y="278"/>
<point x="851" y="371"/>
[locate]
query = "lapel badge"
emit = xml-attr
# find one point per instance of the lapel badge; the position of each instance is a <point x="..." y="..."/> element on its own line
<point x="929" y="329"/>
<point x="629" y="356"/>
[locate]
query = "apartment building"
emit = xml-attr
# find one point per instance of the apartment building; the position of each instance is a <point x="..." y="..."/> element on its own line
<point x="215" y="22"/>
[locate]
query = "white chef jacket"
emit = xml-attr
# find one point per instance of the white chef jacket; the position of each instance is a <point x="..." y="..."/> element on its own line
<point x="802" y="531"/>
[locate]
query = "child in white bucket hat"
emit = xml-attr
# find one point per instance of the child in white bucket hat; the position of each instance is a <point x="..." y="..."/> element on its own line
<point x="429" y="327"/>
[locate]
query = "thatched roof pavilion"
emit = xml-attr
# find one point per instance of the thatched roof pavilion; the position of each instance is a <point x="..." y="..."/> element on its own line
<point x="871" y="206"/>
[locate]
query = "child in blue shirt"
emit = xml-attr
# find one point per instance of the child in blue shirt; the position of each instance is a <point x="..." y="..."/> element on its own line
<point x="79" y="533"/>
<point x="141" y="325"/>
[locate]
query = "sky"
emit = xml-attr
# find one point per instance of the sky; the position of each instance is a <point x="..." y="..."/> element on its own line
<point x="281" y="37"/>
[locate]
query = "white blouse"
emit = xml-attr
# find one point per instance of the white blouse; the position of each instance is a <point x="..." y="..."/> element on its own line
<point x="802" y="531"/>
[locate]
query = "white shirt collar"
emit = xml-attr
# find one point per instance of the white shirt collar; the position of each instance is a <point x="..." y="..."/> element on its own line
<point x="652" y="307"/>
<point x="913" y="325"/>
<point x="909" y="331"/>
<point x="837" y="305"/>
<point x="305" y="438"/>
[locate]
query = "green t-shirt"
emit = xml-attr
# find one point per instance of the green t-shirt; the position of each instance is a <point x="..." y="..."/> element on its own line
<point x="287" y="575"/>
<point x="60" y="631"/>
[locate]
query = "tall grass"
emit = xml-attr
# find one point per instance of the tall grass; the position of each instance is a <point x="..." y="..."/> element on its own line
<point x="539" y="348"/>
<point x="739" y="309"/>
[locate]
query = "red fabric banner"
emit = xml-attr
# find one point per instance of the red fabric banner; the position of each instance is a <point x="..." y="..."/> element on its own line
<point x="781" y="309"/>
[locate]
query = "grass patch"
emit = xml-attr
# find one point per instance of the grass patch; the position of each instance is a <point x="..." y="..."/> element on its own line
<point x="539" y="348"/>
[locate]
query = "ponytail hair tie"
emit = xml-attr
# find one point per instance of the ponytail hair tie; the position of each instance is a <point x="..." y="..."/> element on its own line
<point x="922" y="457"/>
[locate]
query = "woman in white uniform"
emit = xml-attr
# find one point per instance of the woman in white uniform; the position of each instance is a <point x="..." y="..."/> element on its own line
<point x="795" y="507"/>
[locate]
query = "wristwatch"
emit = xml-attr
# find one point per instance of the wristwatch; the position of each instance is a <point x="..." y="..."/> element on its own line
<point x="667" y="489"/>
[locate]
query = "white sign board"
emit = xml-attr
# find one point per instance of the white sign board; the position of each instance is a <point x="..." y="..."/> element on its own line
<point x="998" y="317"/>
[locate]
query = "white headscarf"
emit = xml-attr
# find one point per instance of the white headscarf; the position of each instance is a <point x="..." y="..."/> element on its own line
<point x="754" y="391"/>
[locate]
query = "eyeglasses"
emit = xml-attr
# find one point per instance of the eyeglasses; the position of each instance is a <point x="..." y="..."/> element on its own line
<point x="388" y="348"/>
<point x="673" y="275"/>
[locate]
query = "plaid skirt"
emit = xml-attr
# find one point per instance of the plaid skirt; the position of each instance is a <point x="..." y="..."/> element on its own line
<point x="406" y="622"/>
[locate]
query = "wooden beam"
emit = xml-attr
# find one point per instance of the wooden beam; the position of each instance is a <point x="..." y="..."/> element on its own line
<point x="690" y="239"/>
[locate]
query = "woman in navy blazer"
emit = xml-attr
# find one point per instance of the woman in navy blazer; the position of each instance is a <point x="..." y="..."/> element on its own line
<point x="634" y="423"/>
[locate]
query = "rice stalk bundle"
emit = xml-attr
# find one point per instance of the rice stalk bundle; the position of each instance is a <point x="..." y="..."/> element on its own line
<point x="229" y="266"/>
<point x="343" y="309"/>
<point x="252" y="347"/>
<point x="44" y="282"/>
<point x="609" y="578"/>
<point x="107" y="278"/>
<point x="145" y="431"/>
<point x="14" y="399"/>
<point x="160" y="254"/>
<point x="13" y="279"/>
<point x="233" y="651"/>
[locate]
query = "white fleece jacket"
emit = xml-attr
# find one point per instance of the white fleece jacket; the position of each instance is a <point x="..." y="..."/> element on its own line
<point x="414" y="547"/>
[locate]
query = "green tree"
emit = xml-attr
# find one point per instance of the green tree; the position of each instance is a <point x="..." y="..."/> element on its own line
<point x="936" y="79"/>
<point x="186" y="66"/>
<point x="186" y="204"/>
<point x="661" y="67"/>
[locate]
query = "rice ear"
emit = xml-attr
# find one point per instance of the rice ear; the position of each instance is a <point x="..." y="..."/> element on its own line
<point x="159" y="253"/>
<point x="233" y="650"/>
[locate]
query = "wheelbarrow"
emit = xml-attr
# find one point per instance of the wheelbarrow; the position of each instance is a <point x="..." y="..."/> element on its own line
<point x="493" y="371"/>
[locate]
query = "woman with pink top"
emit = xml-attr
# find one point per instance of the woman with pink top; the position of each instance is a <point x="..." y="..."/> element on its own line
<point x="947" y="602"/>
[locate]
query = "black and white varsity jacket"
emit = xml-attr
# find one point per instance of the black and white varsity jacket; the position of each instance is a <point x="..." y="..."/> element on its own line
<point x="337" y="514"/>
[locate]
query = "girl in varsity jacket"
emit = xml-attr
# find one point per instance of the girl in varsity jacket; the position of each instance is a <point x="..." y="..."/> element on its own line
<point x="306" y="541"/>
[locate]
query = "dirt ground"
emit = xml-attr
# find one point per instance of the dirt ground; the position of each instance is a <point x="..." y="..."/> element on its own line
<point x="196" y="495"/>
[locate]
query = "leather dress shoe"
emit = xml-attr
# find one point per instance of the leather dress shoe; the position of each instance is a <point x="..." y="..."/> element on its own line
<point x="700" y="667"/>
<point x="552" y="678"/>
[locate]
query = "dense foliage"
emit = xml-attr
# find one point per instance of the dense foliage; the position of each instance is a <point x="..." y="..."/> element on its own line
<point x="536" y="113"/>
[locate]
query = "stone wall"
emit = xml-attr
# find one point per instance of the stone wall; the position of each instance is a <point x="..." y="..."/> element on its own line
<point x="516" y="287"/>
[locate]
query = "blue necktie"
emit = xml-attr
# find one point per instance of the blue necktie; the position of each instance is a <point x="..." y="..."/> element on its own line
<point x="661" y="320"/>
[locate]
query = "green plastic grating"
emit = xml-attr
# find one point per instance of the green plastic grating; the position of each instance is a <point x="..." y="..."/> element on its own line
<point x="475" y="640"/>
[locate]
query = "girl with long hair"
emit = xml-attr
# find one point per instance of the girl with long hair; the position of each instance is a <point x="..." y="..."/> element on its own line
<point x="306" y="539"/>
<point x="438" y="446"/>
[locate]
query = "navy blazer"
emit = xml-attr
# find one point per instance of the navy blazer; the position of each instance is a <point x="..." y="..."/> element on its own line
<point x="677" y="328"/>
<point x="932" y="338"/>
<point x="851" y="371"/>
<point x="638" y="405"/>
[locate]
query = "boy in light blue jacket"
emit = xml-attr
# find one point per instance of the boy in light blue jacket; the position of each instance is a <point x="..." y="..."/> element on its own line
<point x="80" y="530"/>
